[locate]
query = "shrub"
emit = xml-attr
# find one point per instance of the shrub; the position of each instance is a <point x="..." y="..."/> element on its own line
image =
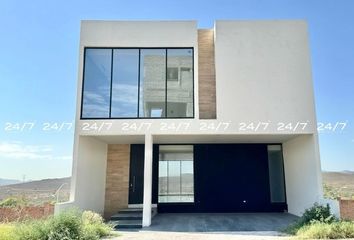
<point x="334" y="230"/>
<point x="6" y="231"/>
<point x="316" y="214"/>
<point x="93" y="225"/>
<point x="31" y="230"/>
<point x="69" y="225"/>
<point x="13" y="202"/>
<point x="317" y="222"/>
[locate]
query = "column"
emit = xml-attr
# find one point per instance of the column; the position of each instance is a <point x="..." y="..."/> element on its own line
<point x="147" y="181"/>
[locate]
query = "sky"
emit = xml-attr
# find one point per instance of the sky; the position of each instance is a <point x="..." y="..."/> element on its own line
<point x="39" y="46"/>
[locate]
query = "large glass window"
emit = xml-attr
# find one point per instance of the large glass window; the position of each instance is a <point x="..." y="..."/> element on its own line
<point x="96" y="88"/>
<point x="179" y="83"/>
<point x="138" y="83"/>
<point x="152" y="83"/>
<point x="276" y="174"/>
<point x="176" y="179"/>
<point x="125" y="83"/>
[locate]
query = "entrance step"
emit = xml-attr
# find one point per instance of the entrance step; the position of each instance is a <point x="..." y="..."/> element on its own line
<point x="131" y="210"/>
<point x="129" y="218"/>
<point x="127" y="224"/>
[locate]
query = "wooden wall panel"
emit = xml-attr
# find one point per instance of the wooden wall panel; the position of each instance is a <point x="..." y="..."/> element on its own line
<point x="206" y="73"/>
<point x="117" y="178"/>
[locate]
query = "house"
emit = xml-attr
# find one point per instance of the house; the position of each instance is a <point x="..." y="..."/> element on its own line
<point x="183" y="119"/>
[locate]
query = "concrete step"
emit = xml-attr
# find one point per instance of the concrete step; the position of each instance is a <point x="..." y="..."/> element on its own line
<point x="136" y="210"/>
<point x="127" y="216"/>
<point x="126" y="224"/>
<point x="131" y="210"/>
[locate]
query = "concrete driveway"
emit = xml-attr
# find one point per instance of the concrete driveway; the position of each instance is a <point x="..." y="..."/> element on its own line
<point x="223" y="226"/>
<point x="220" y="222"/>
<point x="156" y="235"/>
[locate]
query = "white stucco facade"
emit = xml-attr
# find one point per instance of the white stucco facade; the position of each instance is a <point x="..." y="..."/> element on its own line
<point x="264" y="94"/>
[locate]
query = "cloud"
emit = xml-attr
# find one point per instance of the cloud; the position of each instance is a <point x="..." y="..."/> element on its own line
<point x="124" y="93"/>
<point x="92" y="97"/>
<point x="18" y="150"/>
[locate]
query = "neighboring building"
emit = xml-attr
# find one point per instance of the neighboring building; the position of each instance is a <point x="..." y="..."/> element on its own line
<point x="195" y="120"/>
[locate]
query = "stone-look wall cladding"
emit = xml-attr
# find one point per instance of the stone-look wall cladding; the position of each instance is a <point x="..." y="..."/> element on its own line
<point x="346" y="209"/>
<point x="117" y="178"/>
<point x="206" y="74"/>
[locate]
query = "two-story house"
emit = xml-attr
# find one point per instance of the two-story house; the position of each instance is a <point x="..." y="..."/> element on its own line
<point x="195" y="120"/>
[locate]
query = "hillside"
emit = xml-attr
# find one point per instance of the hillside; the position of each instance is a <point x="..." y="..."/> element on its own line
<point x="37" y="192"/>
<point x="44" y="184"/>
<point x="4" y="181"/>
<point x="338" y="184"/>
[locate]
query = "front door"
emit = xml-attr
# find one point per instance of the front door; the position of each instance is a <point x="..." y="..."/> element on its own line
<point x="136" y="176"/>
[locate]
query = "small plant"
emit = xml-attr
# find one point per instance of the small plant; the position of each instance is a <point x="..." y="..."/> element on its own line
<point x="13" y="202"/>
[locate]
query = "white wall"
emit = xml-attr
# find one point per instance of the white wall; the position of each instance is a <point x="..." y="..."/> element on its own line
<point x="89" y="171"/>
<point x="302" y="173"/>
<point x="263" y="71"/>
<point x="138" y="33"/>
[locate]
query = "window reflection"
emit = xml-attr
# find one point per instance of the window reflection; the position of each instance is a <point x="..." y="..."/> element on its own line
<point x="97" y="78"/>
<point x="125" y="83"/>
<point x="179" y="83"/>
<point x="138" y="83"/>
<point x="176" y="181"/>
<point x="152" y="83"/>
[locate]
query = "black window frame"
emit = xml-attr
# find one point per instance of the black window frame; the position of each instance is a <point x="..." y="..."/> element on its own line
<point x="157" y="174"/>
<point x="139" y="77"/>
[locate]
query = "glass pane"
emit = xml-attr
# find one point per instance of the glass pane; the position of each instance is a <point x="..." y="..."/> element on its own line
<point x="162" y="177"/>
<point x="276" y="173"/>
<point x="97" y="82"/>
<point x="176" y="182"/>
<point x="152" y="83"/>
<point x="125" y="83"/>
<point x="179" y="83"/>
<point x="174" y="177"/>
<point x="174" y="199"/>
<point x="187" y="177"/>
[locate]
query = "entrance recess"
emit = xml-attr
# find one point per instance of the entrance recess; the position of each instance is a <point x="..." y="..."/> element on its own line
<point x="212" y="177"/>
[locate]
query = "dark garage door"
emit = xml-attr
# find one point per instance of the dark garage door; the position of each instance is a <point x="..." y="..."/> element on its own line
<point x="231" y="178"/>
